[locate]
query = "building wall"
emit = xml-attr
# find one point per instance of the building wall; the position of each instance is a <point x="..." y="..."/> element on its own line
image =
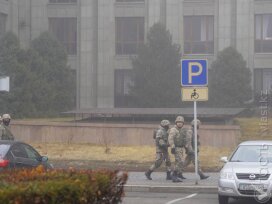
<point x="96" y="60"/>
<point x="106" y="52"/>
<point x="87" y="54"/>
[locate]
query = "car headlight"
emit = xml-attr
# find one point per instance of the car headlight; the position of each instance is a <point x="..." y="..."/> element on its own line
<point x="227" y="175"/>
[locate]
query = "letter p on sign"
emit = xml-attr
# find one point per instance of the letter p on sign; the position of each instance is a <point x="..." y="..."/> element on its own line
<point x="194" y="72"/>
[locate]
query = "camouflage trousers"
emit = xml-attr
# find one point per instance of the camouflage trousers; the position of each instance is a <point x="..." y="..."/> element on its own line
<point x="160" y="157"/>
<point x="179" y="163"/>
<point x="191" y="159"/>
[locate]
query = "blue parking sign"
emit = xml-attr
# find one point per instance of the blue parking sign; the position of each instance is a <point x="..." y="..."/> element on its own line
<point x="194" y="72"/>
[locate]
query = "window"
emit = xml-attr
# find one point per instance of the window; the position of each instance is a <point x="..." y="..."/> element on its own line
<point x="263" y="33"/>
<point x="3" y="19"/>
<point x="62" y="1"/>
<point x="65" y="30"/>
<point x="129" y="34"/>
<point x="129" y="0"/>
<point x="122" y="84"/>
<point x="19" y="151"/>
<point x="31" y="153"/>
<point x="263" y="79"/>
<point x="198" y="35"/>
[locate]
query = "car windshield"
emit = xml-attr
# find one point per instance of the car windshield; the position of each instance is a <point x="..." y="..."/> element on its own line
<point x="252" y="153"/>
<point x="3" y="149"/>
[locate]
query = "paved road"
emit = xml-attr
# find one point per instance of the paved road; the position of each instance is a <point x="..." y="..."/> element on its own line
<point x="174" y="198"/>
<point x="137" y="182"/>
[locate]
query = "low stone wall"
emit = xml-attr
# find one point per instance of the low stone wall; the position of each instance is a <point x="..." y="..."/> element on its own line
<point x="113" y="134"/>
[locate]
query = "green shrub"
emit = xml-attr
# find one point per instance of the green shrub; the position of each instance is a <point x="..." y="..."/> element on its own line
<point x="71" y="186"/>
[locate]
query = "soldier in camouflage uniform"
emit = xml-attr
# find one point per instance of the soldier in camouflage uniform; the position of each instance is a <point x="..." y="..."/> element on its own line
<point x="161" y="150"/>
<point x="179" y="138"/>
<point x="4" y="128"/>
<point x="190" y="158"/>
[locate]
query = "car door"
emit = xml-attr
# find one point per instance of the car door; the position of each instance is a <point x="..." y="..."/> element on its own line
<point x="24" y="156"/>
<point x="19" y="156"/>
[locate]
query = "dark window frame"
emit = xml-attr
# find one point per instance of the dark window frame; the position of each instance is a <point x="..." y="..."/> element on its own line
<point x="128" y="47"/>
<point x="259" y="74"/>
<point x="191" y="43"/>
<point x="63" y="35"/>
<point x="122" y="97"/>
<point x="262" y="45"/>
<point x="3" y="23"/>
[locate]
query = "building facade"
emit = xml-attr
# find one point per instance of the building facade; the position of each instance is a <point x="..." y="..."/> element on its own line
<point x="100" y="36"/>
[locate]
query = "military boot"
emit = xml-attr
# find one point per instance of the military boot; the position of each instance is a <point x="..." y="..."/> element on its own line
<point x="168" y="175"/>
<point x="175" y="178"/>
<point x="180" y="175"/>
<point x="148" y="174"/>
<point x="202" y="176"/>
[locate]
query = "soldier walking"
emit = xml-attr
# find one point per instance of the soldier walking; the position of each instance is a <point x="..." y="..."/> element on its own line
<point x="161" y="141"/>
<point x="190" y="157"/>
<point x="178" y="140"/>
<point x="5" y="132"/>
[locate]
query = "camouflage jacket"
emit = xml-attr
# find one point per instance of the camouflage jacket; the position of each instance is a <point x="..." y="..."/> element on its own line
<point x="6" y="133"/>
<point x="180" y="137"/>
<point x="161" y="140"/>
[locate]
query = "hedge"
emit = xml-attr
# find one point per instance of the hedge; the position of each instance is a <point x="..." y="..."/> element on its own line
<point x="40" y="186"/>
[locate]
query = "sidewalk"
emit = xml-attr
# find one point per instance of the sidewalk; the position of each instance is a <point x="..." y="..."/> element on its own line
<point x="137" y="182"/>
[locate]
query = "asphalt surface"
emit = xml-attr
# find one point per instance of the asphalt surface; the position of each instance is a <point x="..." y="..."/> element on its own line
<point x="177" y="198"/>
<point x="137" y="182"/>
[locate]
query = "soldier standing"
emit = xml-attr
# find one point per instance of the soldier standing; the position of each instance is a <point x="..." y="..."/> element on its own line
<point x="162" y="145"/>
<point x="5" y="130"/>
<point x="190" y="158"/>
<point x="178" y="140"/>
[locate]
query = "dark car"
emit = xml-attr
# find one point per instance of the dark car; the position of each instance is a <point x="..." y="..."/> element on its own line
<point x="15" y="154"/>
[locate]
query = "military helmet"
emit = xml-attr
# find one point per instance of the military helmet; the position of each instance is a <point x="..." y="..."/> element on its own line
<point x="198" y="123"/>
<point x="165" y="123"/>
<point x="6" y="116"/>
<point x="179" y="119"/>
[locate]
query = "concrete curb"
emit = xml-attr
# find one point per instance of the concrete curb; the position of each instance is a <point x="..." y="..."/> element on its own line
<point x="171" y="189"/>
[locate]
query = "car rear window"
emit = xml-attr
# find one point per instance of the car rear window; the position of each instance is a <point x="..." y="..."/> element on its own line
<point x="4" y="149"/>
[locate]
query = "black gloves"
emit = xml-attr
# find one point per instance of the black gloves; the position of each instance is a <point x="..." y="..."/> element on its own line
<point x="164" y="146"/>
<point x="173" y="151"/>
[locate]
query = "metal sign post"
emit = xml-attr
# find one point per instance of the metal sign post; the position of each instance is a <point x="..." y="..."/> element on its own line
<point x="195" y="137"/>
<point x="194" y="82"/>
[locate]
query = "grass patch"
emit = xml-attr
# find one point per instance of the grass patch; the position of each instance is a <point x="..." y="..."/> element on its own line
<point x="133" y="156"/>
<point x="253" y="129"/>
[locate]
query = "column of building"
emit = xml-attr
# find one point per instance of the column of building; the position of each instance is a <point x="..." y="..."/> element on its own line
<point x="87" y="54"/>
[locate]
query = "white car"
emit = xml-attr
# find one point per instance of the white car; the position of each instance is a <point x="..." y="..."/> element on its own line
<point x="247" y="173"/>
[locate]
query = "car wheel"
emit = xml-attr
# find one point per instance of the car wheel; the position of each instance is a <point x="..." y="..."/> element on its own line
<point x="269" y="202"/>
<point x="223" y="199"/>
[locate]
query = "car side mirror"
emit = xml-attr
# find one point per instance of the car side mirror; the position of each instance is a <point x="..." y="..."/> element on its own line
<point x="224" y="159"/>
<point x="44" y="159"/>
